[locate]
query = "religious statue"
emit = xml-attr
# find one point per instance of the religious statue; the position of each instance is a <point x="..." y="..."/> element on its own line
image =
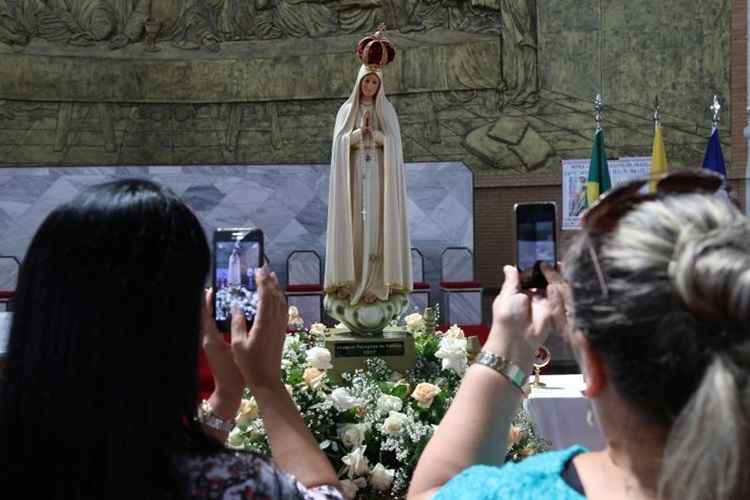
<point x="234" y="275"/>
<point x="368" y="251"/>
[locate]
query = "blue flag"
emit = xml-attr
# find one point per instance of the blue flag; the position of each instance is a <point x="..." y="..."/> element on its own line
<point x="714" y="159"/>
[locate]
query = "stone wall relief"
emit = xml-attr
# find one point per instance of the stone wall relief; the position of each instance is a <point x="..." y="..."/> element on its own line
<point x="191" y="24"/>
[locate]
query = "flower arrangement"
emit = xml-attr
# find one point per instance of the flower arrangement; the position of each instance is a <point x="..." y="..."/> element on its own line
<point x="374" y="425"/>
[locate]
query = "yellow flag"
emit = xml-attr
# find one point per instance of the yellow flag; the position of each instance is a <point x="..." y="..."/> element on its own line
<point x="658" y="158"/>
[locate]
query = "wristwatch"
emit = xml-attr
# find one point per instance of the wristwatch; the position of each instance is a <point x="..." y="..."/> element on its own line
<point x="501" y="365"/>
<point x="207" y="417"/>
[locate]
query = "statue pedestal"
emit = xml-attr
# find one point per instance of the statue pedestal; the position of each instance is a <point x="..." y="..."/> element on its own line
<point x="395" y="346"/>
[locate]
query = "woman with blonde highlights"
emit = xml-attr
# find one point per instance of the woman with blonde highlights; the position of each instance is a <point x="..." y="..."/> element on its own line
<point x="656" y="306"/>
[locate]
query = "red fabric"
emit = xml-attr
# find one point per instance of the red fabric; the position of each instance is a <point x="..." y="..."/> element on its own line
<point x="418" y="285"/>
<point x="304" y="288"/>
<point x="7" y="294"/>
<point x="460" y="284"/>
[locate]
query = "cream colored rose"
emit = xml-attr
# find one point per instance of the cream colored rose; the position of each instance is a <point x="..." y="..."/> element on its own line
<point x="350" y="487"/>
<point x="414" y="322"/>
<point x="425" y="394"/>
<point x="313" y="377"/>
<point x="395" y="423"/>
<point x="295" y="320"/>
<point x="352" y="435"/>
<point x="381" y="478"/>
<point x="247" y="412"/>
<point x="454" y="332"/>
<point x="514" y="435"/>
<point x="318" y="329"/>
<point x="356" y="463"/>
<point x="319" y="357"/>
<point x="289" y="389"/>
<point x="234" y="440"/>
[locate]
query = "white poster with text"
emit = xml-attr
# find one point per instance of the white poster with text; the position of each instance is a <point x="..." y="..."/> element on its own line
<point x="575" y="173"/>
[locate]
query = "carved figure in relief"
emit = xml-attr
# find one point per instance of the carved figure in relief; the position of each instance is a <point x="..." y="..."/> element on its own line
<point x="302" y="18"/>
<point x="519" y="50"/>
<point x="186" y="23"/>
<point x="77" y="22"/>
<point x="19" y="20"/>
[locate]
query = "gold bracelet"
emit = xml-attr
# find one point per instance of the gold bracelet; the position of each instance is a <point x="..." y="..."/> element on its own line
<point x="501" y="365"/>
<point x="207" y="417"/>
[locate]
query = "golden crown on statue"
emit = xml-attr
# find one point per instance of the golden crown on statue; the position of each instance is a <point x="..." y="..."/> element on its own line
<point x="375" y="50"/>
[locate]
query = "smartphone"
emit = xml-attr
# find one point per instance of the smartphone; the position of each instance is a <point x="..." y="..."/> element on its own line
<point x="238" y="252"/>
<point x="535" y="227"/>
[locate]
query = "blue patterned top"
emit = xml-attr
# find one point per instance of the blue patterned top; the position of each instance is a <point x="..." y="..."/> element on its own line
<point x="539" y="476"/>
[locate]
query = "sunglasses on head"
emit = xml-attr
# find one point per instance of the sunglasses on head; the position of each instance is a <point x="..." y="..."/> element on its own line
<point x="609" y="209"/>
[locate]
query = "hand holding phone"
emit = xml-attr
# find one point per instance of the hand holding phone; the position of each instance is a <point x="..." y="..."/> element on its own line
<point x="535" y="228"/>
<point x="237" y="253"/>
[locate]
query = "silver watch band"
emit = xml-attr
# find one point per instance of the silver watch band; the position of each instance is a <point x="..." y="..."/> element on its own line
<point x="501" y="365"/>
<point x="207" y="417"/>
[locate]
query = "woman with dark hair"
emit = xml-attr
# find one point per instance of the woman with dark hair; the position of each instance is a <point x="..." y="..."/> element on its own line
<point x="657" y="312"/>
<point x="100" y="391"/>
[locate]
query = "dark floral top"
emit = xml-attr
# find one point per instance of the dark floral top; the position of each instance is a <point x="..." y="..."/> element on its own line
<point x="235" y="475"/>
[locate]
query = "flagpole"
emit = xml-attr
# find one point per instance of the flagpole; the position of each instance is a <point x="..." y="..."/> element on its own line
<point x="715" y="109"/>
<point x="598" y="108"/>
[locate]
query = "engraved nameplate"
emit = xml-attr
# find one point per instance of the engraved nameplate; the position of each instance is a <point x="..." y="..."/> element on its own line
<point x="369" y="349"/>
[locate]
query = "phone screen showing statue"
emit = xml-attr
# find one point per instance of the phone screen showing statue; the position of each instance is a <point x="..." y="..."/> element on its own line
<point x="535" y="226"/>
<point x="235" y="266"/>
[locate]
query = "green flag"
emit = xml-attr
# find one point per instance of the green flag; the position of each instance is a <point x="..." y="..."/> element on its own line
<point x="598" y="181"/>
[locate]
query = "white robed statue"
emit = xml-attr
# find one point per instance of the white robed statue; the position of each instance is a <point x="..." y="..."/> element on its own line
<point x="234" y="276"/>
<point x="368" y="252"/>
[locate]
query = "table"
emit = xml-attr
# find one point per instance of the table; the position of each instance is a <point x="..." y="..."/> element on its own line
<point x="560" y="413"/>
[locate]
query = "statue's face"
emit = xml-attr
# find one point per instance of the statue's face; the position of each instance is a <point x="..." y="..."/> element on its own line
<point x="369" y="85"/>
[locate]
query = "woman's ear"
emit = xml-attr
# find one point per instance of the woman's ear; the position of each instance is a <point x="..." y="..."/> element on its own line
<point x="591" y="362"/>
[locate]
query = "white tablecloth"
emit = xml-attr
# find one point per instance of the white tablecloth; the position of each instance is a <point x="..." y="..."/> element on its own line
<point x="560" y="413"/>
<point x="4" y="331"/>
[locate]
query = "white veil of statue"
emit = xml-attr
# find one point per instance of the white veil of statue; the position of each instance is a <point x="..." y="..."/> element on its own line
<point x="368" y="251"/>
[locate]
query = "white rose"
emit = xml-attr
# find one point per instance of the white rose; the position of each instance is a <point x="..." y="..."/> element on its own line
<point x="356" y="463"/>
<point x="342" y="400"/>
<point x="387" y="403"/>
<point x="381" y="478"/>
<point x="425" y="393"/>
<point x="352" y="435"/>
<point x="247" y="412"/>
<point x="234" y="440"/>
<point x="319" y="357"/>
<point x="454" y="332"/>
<point x="452" y="351"/>
<point x="313" y="377"/>
<point x="318" y="329"/>
<point x="394" y="424"/>
<point x="414" y="322"/>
